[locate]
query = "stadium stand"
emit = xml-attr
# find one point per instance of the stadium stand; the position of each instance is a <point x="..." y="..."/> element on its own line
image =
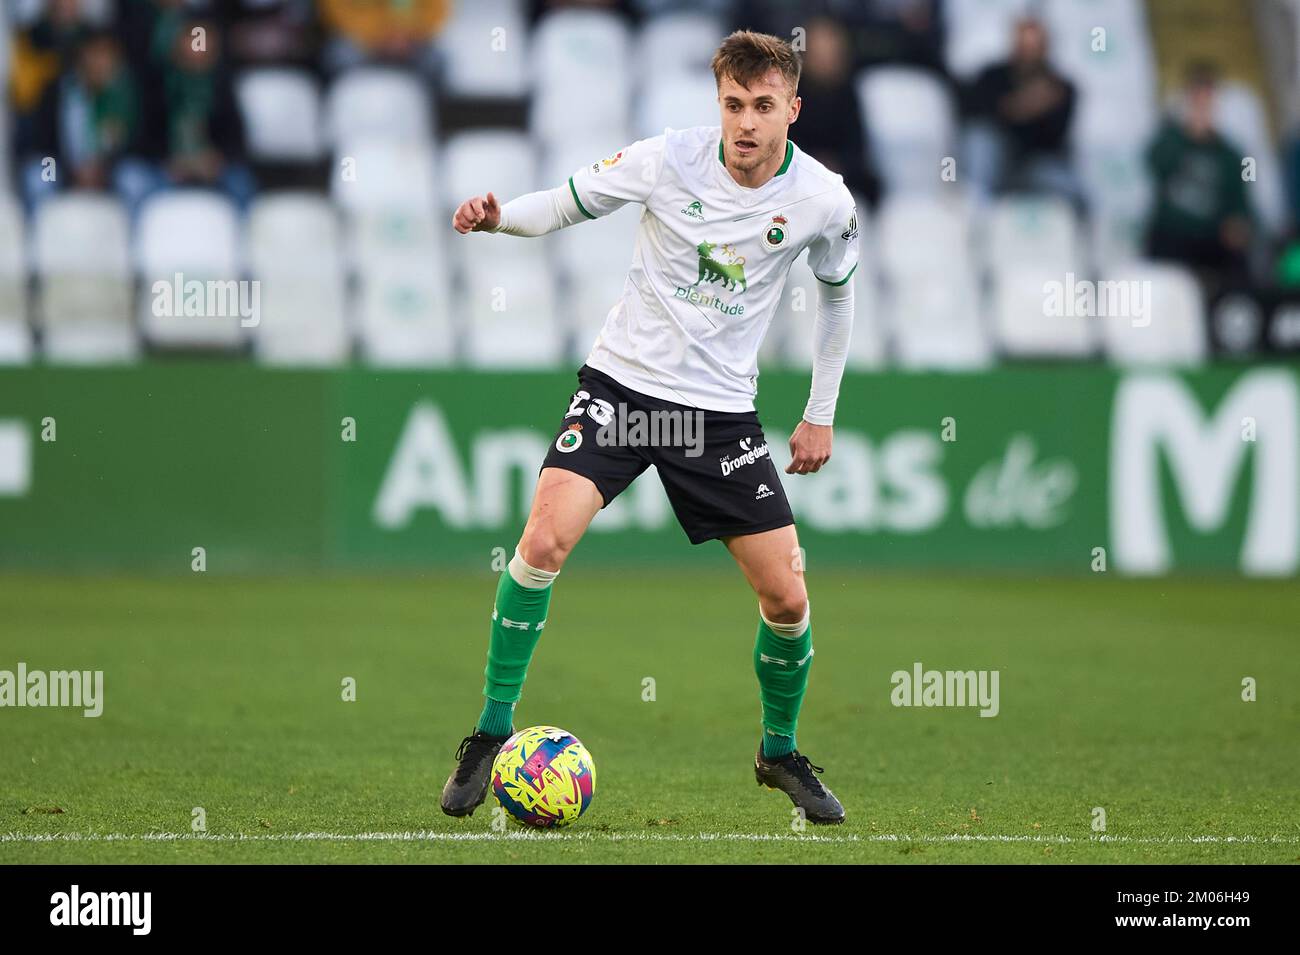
<point x="360" y="264"/>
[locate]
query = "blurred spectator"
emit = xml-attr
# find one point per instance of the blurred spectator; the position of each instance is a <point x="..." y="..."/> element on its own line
<point x="653" y="8"/>
<point x="40" y="55"/>
<point x="87" y="119"/>
<point x="878" y="32"/>
<point x="1020" y="111"/>
<point x="382" y="31"/>
<point x="1201" y="216"/>
<point x="539" y="8"/>
<point x="901" y="31"/>
<point x="829" y="127"/>
<point x="273" y="32"/>
<point x="200" y="139"/>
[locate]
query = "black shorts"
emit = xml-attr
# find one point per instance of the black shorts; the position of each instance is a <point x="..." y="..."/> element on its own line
<point x="714" y="465"/>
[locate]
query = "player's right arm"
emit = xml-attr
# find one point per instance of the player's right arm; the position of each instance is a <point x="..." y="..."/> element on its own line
<point x="593" y="191"/>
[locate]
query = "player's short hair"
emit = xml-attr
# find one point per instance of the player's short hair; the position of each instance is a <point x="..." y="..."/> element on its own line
<point x="747" y="57"/>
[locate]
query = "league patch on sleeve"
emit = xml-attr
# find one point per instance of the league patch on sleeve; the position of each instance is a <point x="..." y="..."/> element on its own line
<point x="606" y="163"/>
<point x="852" y="231"/>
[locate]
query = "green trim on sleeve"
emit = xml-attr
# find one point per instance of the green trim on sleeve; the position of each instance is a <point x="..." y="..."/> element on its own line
<point x="581" y="207"/>
<point x="841" y="281"/>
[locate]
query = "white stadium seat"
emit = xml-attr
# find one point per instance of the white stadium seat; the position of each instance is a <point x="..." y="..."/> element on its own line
<point x="395" y="234"/>
<point x="404" y="316"/>
<point x="588" y="300"/>
<point x="474" y="163"/>
<point x="910" y="121"/>
<point x="508" y="305"/>
<point x="1025" y="230"/>
<point x="15" y="332"/>
<point x="485" y="48"/>
<point x="1125" y="62"/>
<point x="1031" y="241"/>
<point x="295" y="253"/>
<point x="922" y="235"/>
<point x="80" y="254"/>
<point x="561" y="160"/>
<point x="930" y="297"/>
<point x="1024" y="323"/>
<point x="604" y="114"/>
<point x="580" y="56"/>
<point x="792" y="338"/>
<point x="582" y="44"/>
<point x="378" y="103"/>
<point x="678" y="42"/>
<point x="978" y="33"/>
<point x="1116" y="85"/>
<point x="282" y="115"/>
<point x="403" y="288"/>
<point x="1171" y="333"/>
<point x="935" y="321"/>
<point x="1118" y="187"/>
<point x="868" y="350"/>
<point x="383" y="174"/>
<point x="193" y="233"/>
<point x="599" y="246"/>
<point x="679" y="101"/>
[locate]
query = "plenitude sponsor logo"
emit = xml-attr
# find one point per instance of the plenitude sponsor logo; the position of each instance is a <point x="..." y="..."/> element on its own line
<point x="696" y="297"/>
<point x="75" y="907"/>
<point x="74" y="688"/>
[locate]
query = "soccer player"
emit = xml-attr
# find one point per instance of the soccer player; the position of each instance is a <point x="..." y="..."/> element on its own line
<point x="727" y="210"/>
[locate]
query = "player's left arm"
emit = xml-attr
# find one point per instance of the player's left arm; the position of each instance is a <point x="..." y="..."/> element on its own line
<point x="833" y="256"/>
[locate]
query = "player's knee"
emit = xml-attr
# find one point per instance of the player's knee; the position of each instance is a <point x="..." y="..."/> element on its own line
<point x="789" y="605"/>
<point x="543" y="548"/>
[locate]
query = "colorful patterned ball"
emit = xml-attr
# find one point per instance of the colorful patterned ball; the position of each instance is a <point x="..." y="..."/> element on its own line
<point x="544" y="777"/>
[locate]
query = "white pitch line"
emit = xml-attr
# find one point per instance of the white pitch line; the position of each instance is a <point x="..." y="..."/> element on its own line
<point x="426" y="835"/>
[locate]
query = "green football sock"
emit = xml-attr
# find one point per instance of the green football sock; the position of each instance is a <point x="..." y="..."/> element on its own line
<point x="518" y="617"/>
<point x="782" y="665"/>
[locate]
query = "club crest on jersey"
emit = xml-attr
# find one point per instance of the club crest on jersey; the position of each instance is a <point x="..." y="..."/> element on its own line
<point x="775" y="234"/>
<point x="570" y="440"/>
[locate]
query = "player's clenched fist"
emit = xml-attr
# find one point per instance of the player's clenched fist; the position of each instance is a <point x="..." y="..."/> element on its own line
<point x="810" y="448"/>
<point x="480" y="214"/>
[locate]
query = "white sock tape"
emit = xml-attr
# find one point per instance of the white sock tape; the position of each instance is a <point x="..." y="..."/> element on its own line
<point x="525" y="575"/>
<point x="791" y="631"/>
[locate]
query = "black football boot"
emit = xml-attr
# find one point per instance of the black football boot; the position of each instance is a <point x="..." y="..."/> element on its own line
<point x="467" y="786"/>
<point x="795" y="775"/>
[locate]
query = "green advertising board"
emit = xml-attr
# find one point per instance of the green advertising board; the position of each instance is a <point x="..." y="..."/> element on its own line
<point x="1033" y="468"/>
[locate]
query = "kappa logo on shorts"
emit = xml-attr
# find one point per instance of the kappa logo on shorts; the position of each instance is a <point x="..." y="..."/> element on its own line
<point x="748" y="455"/>
<point x="763" y="491"/>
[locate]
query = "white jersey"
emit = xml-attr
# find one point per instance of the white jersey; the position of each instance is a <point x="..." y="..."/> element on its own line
<point x="710" y="261"/>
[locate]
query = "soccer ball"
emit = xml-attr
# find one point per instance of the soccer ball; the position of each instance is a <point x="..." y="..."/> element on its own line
<point x="544" y="777"/>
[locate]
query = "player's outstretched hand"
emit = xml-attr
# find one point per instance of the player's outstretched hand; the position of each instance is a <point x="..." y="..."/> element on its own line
<point x="810" y="448"/>
<point x="480" y="214"/>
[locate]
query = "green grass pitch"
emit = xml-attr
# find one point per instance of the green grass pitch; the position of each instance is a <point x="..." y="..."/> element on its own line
<point x="225" y="693"/>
